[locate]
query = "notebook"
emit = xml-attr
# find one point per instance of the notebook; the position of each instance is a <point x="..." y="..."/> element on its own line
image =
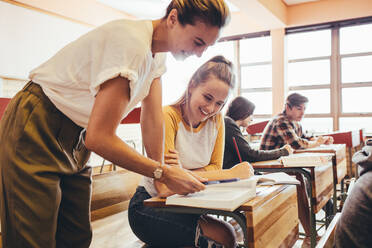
<point x="306" y="159"/>
<point x="276" y="178"/>
<point x="224" y="196"/>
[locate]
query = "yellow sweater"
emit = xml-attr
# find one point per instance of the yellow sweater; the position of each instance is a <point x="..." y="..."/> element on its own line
<point x="200" y="147"/>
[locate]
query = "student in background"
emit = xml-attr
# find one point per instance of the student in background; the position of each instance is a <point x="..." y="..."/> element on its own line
<point x="285" y="128"/>
<point x="194" y="140"/>
<point x="240" y="114"/>
<point x="93" y="83"/>
<point x="354" y="227"/>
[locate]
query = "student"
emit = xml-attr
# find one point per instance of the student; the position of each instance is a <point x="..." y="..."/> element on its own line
<point x="354" y="226"/>
<point x="239" y="114"/>
<point x="286" y="129"/>
<point x="194" y="140"/>
<point x="92" y="84"/>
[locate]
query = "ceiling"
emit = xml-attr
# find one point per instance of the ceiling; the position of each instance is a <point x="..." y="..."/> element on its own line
<point x="293" y="2"/>
<point x="248" y="16"/>
<point x="155" y="8"/>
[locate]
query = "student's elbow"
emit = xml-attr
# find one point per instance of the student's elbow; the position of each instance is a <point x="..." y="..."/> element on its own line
<point x="94" y="140"/>
<point x="89" y="141"/>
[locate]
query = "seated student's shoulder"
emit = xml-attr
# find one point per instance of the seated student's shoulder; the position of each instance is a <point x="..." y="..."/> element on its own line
<point x="228" y="121"/>
<point x="172" y="113"/>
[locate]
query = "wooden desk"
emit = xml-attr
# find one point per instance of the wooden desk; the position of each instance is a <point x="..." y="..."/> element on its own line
<point x="352" y="141"/>
<point x="320" y="185"/>
<point x="268" y="220"/>
<point x="339" y="165"/>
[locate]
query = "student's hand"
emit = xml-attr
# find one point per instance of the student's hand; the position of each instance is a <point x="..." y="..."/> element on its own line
<point x="181" y="181"/>
<point x="320" y="140"/>
<point x="288" y="148"/>
<point x="329" y="140"/>
<point x="172" y="158"/>
<point x="242" y="170"/>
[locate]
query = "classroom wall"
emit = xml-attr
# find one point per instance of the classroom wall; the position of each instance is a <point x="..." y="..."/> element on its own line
<point x="30" y="37"/>
<point x="89" y="12"/>
<point x="327" y="11"/>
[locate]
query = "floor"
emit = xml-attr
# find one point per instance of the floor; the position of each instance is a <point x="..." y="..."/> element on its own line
<point x="114" y="232"/>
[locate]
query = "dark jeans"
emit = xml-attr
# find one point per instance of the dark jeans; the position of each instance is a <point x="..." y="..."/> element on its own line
<point x="160" y="228"/>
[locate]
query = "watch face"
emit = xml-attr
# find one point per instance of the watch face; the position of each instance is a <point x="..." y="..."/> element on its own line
<point x="158" y="173"/>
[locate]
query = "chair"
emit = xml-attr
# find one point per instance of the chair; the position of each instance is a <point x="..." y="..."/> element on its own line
<point x="3" y="104"/>
<point x="352" y="141"/>
<point x="257" y="127"/>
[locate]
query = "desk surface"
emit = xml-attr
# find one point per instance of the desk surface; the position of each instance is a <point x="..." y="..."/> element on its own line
<point x="271" y="218"/>
<point x="263" y="193"/>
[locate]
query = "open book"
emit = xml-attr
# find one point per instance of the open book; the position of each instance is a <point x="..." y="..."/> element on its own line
<point x="223" y="196"/>
<point x="276" y="178"/>
<point x="306" y="159"/>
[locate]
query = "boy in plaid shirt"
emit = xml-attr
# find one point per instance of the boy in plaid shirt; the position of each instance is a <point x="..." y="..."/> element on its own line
<point x="286" y="129"/>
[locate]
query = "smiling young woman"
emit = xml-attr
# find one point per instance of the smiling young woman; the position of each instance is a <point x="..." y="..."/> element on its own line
<point x="194" y="140"/>
<point x="74" y="103"/>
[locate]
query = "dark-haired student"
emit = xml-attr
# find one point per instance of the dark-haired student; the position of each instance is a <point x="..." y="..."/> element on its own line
<point x="285" y="128"/>
<point x="239" y="115"/>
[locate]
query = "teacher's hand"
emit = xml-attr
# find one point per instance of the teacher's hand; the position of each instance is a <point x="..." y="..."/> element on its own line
<point x="180" y="181"/>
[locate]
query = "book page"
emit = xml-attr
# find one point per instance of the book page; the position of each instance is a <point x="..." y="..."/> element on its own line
<point x="276" y="178"/>
<point x="307" y="159"/>
<point x="222" y="198"/>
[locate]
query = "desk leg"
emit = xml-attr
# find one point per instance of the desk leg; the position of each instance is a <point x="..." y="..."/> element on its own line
<point x="307" y="174"/>
<point x="334" y="197"/>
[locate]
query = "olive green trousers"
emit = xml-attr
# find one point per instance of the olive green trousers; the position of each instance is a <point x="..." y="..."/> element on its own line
<point x="45" y="186"/>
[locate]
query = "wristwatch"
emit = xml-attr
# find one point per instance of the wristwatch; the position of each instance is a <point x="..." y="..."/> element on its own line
<point x="158" y="172"/>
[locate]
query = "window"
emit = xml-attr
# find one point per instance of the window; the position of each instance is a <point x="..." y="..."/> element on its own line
<point x="354" y="123"/>
<point x="262" y="101"/>
<point x="178" y="73"/>
<point x="316" y="72"/>
<point x="309" y="74"/>
<point x="315" y="126"/>
<point x="256" y="73"/>
<point x="332" y="65"/>
<point x="309" y="44"/>
<point x="319" y="101"/>
<point x="356" y="77"/>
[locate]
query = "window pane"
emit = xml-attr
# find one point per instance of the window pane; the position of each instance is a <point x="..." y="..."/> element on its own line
<point x="309" y="73"/>
<point x="314" y="126"/>
<point x="356" y="100"/>
<point x="353" y="123"/>
<point x="256" y="76"/>
<point x="255" y="50"/>
<point x="319" y="101"/>
<point x="356" y="39"/>
<point x="262" y="100"/>
<point x="356" y="69"/>
<point x="178" y="73"/>
<point x="309" y="44"/>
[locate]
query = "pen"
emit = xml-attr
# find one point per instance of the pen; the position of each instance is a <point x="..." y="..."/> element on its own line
<point x="237" y="149"/>
<point x="221" y="181"/>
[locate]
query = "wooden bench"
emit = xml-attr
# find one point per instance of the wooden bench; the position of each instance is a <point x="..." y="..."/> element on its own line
<point x="328" y="238"/>
<point x="112" y="190"/>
